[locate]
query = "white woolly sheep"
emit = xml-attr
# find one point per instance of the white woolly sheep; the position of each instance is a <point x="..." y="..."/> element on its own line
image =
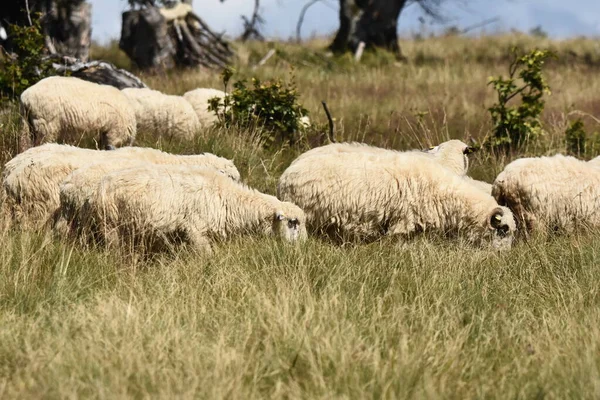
<point x="362" y="196"/>
<point x="162" y="116"/>
<point x="31" y="180"/>
<point x="69" y="109"/>
<point x="78" y="187"/>
<point x="451" y="154"/>
<point x="165" y="205"/>
<point x="199" y="98"/>
<point x="554" y="193"/>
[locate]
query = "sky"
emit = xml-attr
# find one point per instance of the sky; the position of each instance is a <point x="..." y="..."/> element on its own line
<point x="559" y="18"/>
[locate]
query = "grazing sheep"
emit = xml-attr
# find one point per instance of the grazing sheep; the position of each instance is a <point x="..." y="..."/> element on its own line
<point x="199" y="98"/>
<point x="165" y="205"/>
<point x="554" y="193"/>
<point x="31" y="180"/>
<point x="365" y="197"/>
<point x="78" y="187"/>
<point x="161" y="116"/>
<point x="69" y="109"/>
<point x="75" y="191"/>
<point x="451" y="154"/>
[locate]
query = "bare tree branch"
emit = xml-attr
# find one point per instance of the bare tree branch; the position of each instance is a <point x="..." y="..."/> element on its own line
<point x="330" y="120"/>
<point x="251" y="26"/>
<point x="28" y="12"/>
<point x="301" y="18"/>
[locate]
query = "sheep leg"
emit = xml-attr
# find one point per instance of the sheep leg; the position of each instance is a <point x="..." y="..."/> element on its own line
<point x="198" y="241"/>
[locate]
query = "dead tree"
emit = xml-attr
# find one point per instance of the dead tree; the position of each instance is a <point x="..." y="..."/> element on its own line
<point x="66" y="24"/>
<point x="101" y="72"/>
<point x="163" y="37"/>
<point x="374" y="23"/>
<point x="66" y="27"/>
<point x="252" y="25"/>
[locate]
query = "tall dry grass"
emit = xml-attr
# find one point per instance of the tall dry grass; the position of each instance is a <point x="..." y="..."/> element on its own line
<point x="261" y="319"/>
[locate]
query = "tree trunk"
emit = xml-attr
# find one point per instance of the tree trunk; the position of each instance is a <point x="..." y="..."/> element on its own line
<point x="160" y="38"/>
<point x="66" y="23"/>
<point x="373" y="22"/>
<point x="145" y="39"/>
<point x="69" y="25"/>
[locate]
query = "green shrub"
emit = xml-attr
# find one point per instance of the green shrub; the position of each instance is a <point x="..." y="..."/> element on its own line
<point x="26" y="66"/>
<point x="576" y="138"/>
<point x="515" y="125"/>
<point x="271" y="106"/>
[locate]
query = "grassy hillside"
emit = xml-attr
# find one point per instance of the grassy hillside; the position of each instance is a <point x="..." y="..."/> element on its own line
<point x="261" y="319"/>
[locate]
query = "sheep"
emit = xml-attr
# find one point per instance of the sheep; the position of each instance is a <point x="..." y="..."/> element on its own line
<point x="159" y="115"/>
<point x="199" y="98"/>
<point x="161" y="206"/>
<point x="31" y="180"/>
<point x="558" y="193"/>
<point x="69" y="109"/>
<point x="72" y="218"/>
<point x="361" y="196"/>
<point x="452" y="154"/>
<point x="77" y="188"/>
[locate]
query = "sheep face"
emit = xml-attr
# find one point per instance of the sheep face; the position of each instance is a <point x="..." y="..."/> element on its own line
<point x="449" y="152"/>
<point x="289" y="227"/>
<point x="501" y="224"/>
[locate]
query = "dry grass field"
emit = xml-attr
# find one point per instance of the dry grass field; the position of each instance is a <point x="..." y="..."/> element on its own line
<point x="261" y="319"/>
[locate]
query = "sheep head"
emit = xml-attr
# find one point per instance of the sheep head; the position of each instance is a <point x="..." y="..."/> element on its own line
<point x="502" y="224"/>
<point x="288" y="226"/>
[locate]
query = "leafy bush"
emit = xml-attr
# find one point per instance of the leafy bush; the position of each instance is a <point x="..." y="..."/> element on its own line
<point x="576" y="138"/>
<point x="26" y="65"/>
<point x="272" y="106"/>
<point x="515" y="125"/>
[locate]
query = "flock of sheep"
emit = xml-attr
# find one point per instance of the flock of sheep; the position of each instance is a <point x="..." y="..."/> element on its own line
<point x="65" y="109"/>
<point x="143" y="198"/>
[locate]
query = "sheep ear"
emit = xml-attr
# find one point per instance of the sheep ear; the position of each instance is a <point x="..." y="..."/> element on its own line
<point x="470" y="150"/>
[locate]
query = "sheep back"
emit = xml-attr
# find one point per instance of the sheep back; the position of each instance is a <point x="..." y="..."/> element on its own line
<point x="68" y="109"/>
<point x="555" y="193"/>
<point x="361" y="196"/>
<point x="161" y="116"/>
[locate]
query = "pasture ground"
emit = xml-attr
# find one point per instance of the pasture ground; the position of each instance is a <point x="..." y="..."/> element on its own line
<point x="261" y="319"/>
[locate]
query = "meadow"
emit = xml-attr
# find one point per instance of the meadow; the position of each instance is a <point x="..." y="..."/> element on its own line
<point x="263" y="319"/>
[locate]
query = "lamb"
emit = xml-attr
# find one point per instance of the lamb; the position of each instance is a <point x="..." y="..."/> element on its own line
<point x="452" y="154"/>
<point x="199" y="98"/>
<point x="31" y="180"/>
<point x="69" y="109"/>
<point x="165" y="205"/>
<point x="558" y="193"/>
<point x="161" y="116"/>
<point x="354" y="196"/>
